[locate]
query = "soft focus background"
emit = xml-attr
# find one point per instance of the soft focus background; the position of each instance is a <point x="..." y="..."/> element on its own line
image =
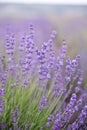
<point x="70" y="22"/>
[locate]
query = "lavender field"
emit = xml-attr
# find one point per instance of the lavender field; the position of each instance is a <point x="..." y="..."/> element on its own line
<point x="43" y="74"/>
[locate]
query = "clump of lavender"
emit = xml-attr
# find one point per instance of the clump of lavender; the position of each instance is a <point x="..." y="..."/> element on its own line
<point x="39" y="90"/>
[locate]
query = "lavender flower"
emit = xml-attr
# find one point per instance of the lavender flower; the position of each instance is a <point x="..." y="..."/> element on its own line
<point x="39" y="89"/>
<point x="27" y="126"/>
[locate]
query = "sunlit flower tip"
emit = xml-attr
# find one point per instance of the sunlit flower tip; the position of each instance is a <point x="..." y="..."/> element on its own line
<point x="53" y="34"/>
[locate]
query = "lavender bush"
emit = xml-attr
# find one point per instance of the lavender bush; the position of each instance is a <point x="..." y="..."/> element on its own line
<point x="39" y="90"/>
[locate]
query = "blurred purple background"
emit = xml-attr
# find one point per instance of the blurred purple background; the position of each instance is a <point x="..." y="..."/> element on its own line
<point x="69" y="21"/>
